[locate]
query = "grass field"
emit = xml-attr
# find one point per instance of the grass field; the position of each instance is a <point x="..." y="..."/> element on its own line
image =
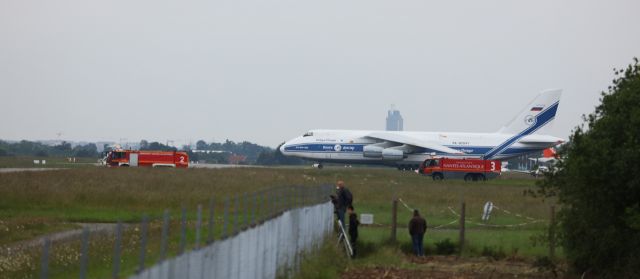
<point x="36" y="203"/>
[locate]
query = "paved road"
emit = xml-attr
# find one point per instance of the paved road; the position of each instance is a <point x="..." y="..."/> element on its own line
<point x="7" y="170"/>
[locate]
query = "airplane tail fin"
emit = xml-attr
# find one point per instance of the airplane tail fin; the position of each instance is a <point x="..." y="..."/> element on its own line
<point x="536" y="114"/>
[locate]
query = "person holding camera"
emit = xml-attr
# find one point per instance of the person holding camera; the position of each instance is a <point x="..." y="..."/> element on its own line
<point x="344" y="199"/>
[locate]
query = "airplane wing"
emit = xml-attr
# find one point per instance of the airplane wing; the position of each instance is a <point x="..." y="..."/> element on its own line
<point x="411" y="141"/>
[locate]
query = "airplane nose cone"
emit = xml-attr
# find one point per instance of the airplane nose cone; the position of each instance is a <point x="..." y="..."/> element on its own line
<point x="282" y="148"/>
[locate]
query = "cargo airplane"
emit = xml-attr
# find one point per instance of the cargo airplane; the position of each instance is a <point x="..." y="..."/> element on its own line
<point x="407" y="150"/>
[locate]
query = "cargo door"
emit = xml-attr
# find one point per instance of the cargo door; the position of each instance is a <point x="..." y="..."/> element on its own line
<point x="133" y="159"/>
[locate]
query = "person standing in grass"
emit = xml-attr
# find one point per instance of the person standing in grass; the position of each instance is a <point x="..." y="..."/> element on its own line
<point x="417" y="228"/>
<point x="353" y="229"/>
<point x="345" y="199"/>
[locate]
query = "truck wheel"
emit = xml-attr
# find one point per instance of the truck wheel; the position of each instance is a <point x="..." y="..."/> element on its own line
<point x="468" y="177"/>
<point x="437" y="176"/>
<point x="481" y="177"/>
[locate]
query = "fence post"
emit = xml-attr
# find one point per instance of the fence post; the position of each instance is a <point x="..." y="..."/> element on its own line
<point x="198" y="225"/>
<point x="116" y="251"/>
<point x="44" y="268"/>
<point x="462" y="223"/>
<point x="552" y="232"/>
<point x="183" y="231"/>
<point x="165" y="235"/>
<point x="211" y="220"/>
<point x="84" y="253"/>
<point x="236" y="208"/>
<point x="301" y="195"/>
<point x="394" y="219"/>
<point x="143" y="243"/>
<point x="272" y="200"/>
<point x="245" y="222"/>
<point x="254" y="213"/>
<point x="225" y="220"/>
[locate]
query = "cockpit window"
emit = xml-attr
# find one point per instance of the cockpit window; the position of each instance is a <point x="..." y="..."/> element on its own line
<point x="308" y="134"/>
<point x="118" y="155"/>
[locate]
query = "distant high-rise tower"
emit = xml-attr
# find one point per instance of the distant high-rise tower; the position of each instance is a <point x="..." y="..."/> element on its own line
<point x="394" y="120"/>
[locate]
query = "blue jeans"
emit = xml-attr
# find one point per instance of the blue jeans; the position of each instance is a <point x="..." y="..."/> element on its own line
<point x="417" y="244"/>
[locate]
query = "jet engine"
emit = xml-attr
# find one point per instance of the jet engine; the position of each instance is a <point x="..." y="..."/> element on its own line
<point x="384" y="150"/>
<point x="390" y="154"/>
<point x="372" y="151"/>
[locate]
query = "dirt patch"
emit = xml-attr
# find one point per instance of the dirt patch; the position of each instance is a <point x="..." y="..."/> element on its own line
<point x="453" y="267"/>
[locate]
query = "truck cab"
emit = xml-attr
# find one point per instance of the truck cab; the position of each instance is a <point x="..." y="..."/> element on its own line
<point x="429" y="166"/>
<point x="117" y="158"/>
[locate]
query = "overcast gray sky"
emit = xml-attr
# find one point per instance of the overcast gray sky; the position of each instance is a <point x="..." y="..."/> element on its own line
<point x="267" y="71"/>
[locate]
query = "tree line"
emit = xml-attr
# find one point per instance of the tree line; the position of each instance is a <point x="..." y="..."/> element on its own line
<point x="213" y="152"/>
<point x="37" y="149"/>
<point x="254" y="153"/>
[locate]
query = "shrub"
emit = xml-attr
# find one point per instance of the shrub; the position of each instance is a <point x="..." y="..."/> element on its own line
<point x="598" y="187"/>
<point x="445" y="247"/>
<point x="493" y="253"/>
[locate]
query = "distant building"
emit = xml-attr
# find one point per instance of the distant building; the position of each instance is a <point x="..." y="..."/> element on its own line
<point x="394" y="120"/>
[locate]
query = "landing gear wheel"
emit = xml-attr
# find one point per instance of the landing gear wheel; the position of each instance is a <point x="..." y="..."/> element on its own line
<point x="468" y="177"/>
<point x="320" y="166"/>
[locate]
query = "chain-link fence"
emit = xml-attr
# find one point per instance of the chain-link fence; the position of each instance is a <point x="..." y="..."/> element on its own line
<point x="252" y="235"/>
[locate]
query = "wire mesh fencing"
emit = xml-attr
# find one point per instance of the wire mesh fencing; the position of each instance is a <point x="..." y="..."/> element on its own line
<point x="253" y="235"/>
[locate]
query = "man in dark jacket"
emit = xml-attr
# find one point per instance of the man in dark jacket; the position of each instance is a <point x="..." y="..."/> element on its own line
<point x="417" y="228"/>
<point x="353" y="229"/>
<point x="345" y="199"/>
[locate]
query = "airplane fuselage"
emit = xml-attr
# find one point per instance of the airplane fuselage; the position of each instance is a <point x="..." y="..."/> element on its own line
<point x="411" y="148"/>
<point x="344" y="146"/>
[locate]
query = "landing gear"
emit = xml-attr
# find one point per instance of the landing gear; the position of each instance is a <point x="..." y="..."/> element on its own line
<point x="318" y="166"/>
<point x="407" y="167"/>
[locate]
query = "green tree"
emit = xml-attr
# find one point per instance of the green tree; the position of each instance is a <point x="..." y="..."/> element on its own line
<point x="88" y="150"/>
<point x="598" y="184"/>
<point x="144" y="144"/>
<point x="201" y="145"/>
<point x="159" y="146"/>
<point x="63" y="148"/>
<point x="42" y="153"/>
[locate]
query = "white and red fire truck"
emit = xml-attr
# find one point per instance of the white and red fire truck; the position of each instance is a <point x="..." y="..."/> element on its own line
<point x="146" y="158"/>
<point x="468" y="169"/>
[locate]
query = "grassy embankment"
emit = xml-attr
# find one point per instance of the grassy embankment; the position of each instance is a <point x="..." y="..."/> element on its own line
<point x="35" y="203"/>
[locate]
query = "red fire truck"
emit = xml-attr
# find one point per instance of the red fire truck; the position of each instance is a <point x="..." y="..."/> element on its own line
<point x="469" y="169"/>
<point x="145" y="158"/>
